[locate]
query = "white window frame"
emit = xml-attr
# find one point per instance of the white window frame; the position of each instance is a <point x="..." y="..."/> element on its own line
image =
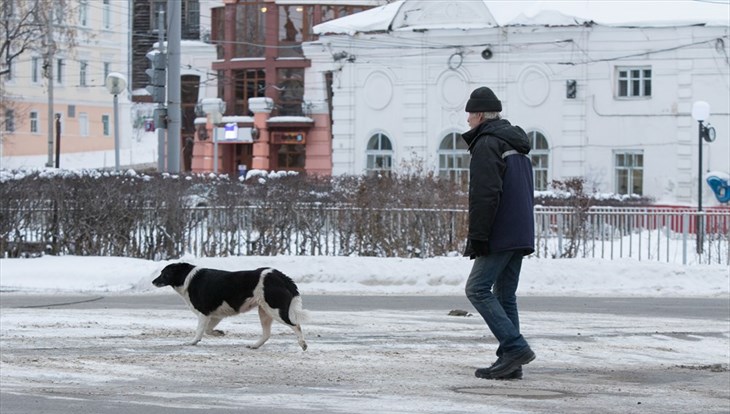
<point x="107" y="70"/>
<point x="83" y="124"/>
<point x="106" y="15"/>
<point x="630" y="169"/>
<point x="453" y="151"/>
<point x="35" y="69"/>
<point x="84" y="13"/>
<point x="60" y="63"/>
<point x="536" y="155"/>
<point x="379" y="158"/>
<point x="83" y="73"/>
<point x="106" y="125"/>
<point x="638" y="83"/>
<point x="9" y="120"/>
<point x="35" y="124"/>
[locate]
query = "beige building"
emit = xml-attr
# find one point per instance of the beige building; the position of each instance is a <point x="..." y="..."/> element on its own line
<point x="80" y="100"/>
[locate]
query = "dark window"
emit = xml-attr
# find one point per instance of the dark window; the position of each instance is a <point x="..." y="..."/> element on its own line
<point x="634" y="82"/>
<point x="379" y="154"/>
<point x="251" y="28"/>
<point x="629" y="173"/>
<point x="295" y="27"/>
<point x="291" y="91"/>
<point x="248" y="83"/>
<point x="454" y="158"/>
<point x="539" y="155"/>
<point x="291" y="156"/>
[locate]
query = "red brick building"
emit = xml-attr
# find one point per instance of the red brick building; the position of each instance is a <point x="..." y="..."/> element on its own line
<point x="259" y="55"/>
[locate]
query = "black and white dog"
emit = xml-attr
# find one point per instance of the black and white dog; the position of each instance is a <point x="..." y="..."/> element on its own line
<point x="215" y="294"/>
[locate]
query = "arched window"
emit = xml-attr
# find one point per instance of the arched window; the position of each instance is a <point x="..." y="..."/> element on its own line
<point x="454" y="158"/>
<point x="539" y="155"/>
<point x="379" y="154"/>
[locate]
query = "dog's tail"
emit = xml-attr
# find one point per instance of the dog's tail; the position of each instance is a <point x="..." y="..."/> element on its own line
<point x="296" y="313"/>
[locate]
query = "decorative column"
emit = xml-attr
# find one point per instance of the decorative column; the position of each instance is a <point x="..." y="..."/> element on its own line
<point x="319" y="140"/>
<point x="261" y="108"/>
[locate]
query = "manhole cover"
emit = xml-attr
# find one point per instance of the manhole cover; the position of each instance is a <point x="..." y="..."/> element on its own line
<point x="512" y="392"/>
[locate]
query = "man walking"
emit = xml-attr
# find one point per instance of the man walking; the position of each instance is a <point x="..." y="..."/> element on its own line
<point x="501" y="227"/>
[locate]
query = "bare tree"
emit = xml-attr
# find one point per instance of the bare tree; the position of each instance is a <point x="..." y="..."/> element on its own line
<point x="33" y="26"/>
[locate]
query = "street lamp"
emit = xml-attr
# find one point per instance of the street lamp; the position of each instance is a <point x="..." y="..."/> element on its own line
<point x="700" y="113"/>
<point x="115" y="84"/>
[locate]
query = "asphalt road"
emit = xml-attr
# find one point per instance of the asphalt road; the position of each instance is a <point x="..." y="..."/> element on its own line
<point x="685" y="308"/>
<point x="693" y="308"/>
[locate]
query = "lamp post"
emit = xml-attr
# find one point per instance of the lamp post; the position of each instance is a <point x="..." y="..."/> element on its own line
<point x="700" y="113"/>
<point x="115" y="84"/>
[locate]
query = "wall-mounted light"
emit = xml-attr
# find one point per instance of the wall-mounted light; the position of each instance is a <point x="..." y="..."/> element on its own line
<point x="255" y="133"/>
<point x="571" y="88"/>
<point x="487" y="53"/>
<point x="264" y="9"/>
<point x="340" y="55"/>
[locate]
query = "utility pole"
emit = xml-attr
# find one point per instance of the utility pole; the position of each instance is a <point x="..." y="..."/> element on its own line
<point x="49" y="73"/>
<point x="173" y="81"/>
<point x="58" y="140"/>
<point x="160" y="106"/>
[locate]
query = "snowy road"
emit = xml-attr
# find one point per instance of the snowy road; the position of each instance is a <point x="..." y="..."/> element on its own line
<point x="384" y="361"/>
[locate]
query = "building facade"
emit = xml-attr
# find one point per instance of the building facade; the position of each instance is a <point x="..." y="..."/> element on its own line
<point x="82" y="108"/>
<point x="608" y="103"/>
<point x="260" y="70"/>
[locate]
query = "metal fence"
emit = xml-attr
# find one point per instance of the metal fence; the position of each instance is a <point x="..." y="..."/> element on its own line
<point x="660" y="234"/>
<point x="666" y="235"/>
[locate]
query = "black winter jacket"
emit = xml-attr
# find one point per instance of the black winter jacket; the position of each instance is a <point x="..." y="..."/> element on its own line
<point x="501" y="192"/>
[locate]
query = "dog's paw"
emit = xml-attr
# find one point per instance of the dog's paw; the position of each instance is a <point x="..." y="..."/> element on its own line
<point x="303" y="345"/>
<point x="192" y="343"/>
<point x="216" y="332"/>
<point x="253" y="346"/>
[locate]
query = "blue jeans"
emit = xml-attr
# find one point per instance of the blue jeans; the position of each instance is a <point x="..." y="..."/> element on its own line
<point x="491" y="290"/>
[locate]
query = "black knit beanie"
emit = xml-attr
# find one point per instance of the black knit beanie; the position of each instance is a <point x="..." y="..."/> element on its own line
<point x="483" y="100"/>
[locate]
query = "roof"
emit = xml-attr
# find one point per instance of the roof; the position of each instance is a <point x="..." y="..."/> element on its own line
<point x="467" y="14"/>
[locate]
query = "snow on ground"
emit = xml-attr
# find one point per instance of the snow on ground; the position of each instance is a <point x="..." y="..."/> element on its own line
<point x="381" y="361"/>
<point x="142" y="151"/>
<point x="378" y="276"/>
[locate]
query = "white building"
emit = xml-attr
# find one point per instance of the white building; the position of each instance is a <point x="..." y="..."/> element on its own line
<point x="610" y="102"/>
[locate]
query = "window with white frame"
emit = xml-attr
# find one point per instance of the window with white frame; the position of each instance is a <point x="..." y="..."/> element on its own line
<point x="83" y="124"/>
<point x="35" y="69"/>
<point x="629" y="167"/>
<point x="105" y="125"/>
<point x="540" y="156"/>
<point x="9" y="120"/>
<point x="379" y="154"/>
<point x="83" y="13"/>
<point x="633" y="82"/>
<point x="59" y="70"/>
<point x="106" y="15"/>
<point x="8" y="9"/>
<point x="83" y="72"/>
<point x="454" y="158"/>
<point x="11" y="70"/>
<point x="58" y="13"/>
<point x="34" y="122"/>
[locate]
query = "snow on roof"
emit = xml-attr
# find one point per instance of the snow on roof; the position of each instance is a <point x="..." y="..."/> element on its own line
<point x="377" y="19"/>
<point x="421" y="14"/>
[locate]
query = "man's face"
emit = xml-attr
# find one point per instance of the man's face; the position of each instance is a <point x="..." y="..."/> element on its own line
<point x="474" y="119"/>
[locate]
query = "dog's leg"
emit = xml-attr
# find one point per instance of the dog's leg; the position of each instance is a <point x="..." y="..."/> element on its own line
<point x="300" y="336"/>
<point x="265" y="328"/>
<point x="211" y="325"/>
<point x="203" y="321"/>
